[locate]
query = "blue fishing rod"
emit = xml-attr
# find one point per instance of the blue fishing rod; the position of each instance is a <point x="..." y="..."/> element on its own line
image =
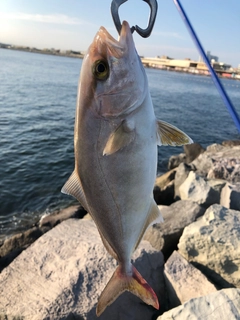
<point x="215" y="78"/>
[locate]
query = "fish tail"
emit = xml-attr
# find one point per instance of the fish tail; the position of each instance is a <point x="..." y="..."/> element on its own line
<point x="120" y="282"/>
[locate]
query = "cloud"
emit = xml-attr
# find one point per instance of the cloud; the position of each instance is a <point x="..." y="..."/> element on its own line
<point x="48" y="18"/>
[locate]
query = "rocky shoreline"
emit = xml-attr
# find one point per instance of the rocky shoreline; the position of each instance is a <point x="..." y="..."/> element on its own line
<point x="58" y="268"/>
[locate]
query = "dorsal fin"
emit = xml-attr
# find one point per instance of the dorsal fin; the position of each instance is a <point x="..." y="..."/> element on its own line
<point x="73" y="187"/>
<point x="169" y="135"/>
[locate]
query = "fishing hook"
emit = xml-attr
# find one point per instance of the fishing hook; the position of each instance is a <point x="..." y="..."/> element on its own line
<point x="142" y="32"/>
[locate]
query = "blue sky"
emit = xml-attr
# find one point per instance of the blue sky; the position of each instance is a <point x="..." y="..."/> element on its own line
<point x="72" y="24"/>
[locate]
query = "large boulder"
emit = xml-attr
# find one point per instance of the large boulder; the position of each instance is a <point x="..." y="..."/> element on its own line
<point x="220" y="162"/>
<point x="13" y="246"/>
<point x="230" y="196"/>
<point x="192" y="151"/>
<point x="58" y="216"/>
<point x="213" y="244"/>
<point x="164" y="188"/>
<point x="182" y="173"/>
<point x="220" y="305"/>
<point x="165" y="236"/>
<point x="184" y="281"/>
<point x="61" y="275"/>
<point x="197" y="189"/>
<point x="174" y="161"/>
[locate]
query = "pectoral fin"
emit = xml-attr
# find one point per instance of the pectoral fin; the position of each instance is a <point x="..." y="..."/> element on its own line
<point x="73" y="187"/>
<point x="120" y="138"/>
<point x="169" y="135"/>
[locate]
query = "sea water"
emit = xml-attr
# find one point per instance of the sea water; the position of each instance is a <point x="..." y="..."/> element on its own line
<point x="37" y="111"/>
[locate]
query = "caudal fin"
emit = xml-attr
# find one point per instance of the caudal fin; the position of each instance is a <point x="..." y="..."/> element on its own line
<point x="121" y="282"/>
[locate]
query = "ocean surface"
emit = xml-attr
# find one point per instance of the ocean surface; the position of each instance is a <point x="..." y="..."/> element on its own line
<point x="37" y="110"/>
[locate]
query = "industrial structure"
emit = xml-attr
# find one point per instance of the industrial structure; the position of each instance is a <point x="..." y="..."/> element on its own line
<point x="188" y="65"/>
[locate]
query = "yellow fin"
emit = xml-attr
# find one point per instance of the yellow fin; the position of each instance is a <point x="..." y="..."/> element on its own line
<point x="120" y="138"/>
<point x="154" y="216"/>
<point x="73" y="187"/>
<point x="170" y="135"/>
<point x="121" y="282"/>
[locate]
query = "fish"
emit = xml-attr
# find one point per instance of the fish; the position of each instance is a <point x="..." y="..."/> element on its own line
<point x="116" y="135"/>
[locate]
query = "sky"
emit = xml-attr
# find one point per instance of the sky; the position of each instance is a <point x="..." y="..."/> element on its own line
<point x="72" y="24"/>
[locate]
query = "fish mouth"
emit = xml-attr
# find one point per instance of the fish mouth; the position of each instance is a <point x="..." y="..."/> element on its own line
<point x="107" y="44"/>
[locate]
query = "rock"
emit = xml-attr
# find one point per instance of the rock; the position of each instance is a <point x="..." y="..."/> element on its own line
<point x="14" y="245"/>
<point x="197" y="189"/>
<point x="174" y="161"/>
<point x="184" y="281"/>
<point x="56" y="217"/>
<point x="230" y="196"/>
<point x="231" y="143"/>
<point x="163" y="180"/>
<point x="216" y="184"/>
<point x="203" y="164"/>
<point x="223" y="164"/>
<point x="181" y="175"/>
<point x="213" y="148"/>
<point x="62" y="274"/>
<point x="164" y="196"/>
<point x="213" y="244"/>
<point x="163" y="191"/>
<point x="192" y="151"/>
<point x="228" y="169"/>
<point x="165" y="236"/>
<point x="224" y="305"/>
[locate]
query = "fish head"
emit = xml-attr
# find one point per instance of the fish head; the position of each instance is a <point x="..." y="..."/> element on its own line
<point x="113" y="80"/>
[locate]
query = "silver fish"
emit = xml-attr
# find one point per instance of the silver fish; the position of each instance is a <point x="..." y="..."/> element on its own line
<point x="115" y="141"/>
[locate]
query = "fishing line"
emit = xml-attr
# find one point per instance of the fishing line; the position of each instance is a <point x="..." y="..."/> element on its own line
<point x="214" y="76"/>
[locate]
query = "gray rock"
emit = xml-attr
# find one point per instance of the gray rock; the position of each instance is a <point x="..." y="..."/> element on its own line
<point x="165" y="236"/>
<point x="223" y="305"/>
<point x="231" y="143"/>
<point x="228" y="169"/>
<point x="192" y="151"/>
<point x="184" y="281"/>
<point x="174" y="161"/>
<point x="162" y="181"/>
<point x="13" y="246"/>
<point x="197" y="189"/>
<point x="164" y="196"/>
<point x="213" y="244"/>
<point x="230" y="196"/>
<point x="181" y="175"/>
<point x="213" y="148"/>
<point x="220" y="164"/>
<point x="58" y="216"/>
<point x="61" y="275"/>
<point x="163" y="191"/>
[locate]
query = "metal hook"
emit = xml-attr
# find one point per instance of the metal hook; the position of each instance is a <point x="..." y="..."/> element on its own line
<point x="142" y="32"/>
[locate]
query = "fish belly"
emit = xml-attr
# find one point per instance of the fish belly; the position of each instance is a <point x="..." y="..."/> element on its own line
<point x="118" y="187"/>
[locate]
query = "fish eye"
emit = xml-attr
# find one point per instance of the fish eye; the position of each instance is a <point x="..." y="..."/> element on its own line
<point x="101" y="70"/>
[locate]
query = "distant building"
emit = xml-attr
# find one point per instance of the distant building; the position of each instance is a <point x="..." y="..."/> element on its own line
<point x="238" y="69"/>
<point x="211" y="57"/>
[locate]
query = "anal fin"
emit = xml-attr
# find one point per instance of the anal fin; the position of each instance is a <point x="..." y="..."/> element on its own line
<point x="73" y="187"/>
<point x="168" y="134"/>
<point x="108" y="246"/>
<point x="154" y="216"/>
<point x="121" y="282"/>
